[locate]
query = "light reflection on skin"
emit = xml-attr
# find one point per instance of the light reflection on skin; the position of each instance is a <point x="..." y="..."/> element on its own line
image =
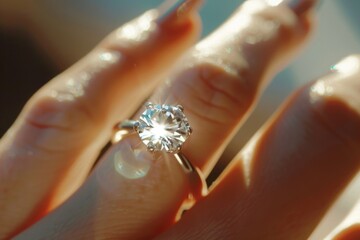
<point x="126" y="161"/>
<point x="321" y="88"/>
<point x="247" y="155"/>
<point x="274" y="2"/>
<point x="348" y="66"/>
<point x="325" y="86"/>
<point x="76" y="87"/>
<point x="351" y="220"/>
<point x="138" y="30"/>
<point x="130" y="161"/>
<point x="135" y="162"/>
<point x="263" y="29"/>
<point x="266" y="30"/>
<point x="132" y="164"/>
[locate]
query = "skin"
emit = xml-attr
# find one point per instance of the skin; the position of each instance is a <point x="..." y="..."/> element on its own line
<point x="267" y="192"/>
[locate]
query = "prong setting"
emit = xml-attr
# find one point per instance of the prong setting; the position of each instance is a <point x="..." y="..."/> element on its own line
<point x="180" y="107"/>
<point x="163" y="109"/>
<point x="151" y="148"/>
<point x="190" y="130"/>
<point x="178" y="149"/>
<point x="149" y="105"/>
<point x="136" y="126"/>
<point x="163" y="127"/>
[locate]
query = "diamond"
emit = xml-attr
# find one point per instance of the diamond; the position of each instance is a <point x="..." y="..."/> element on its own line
<point x="163" y="127"/>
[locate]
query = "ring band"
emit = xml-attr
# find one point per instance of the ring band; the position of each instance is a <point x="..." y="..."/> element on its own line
<point x="164" y="128"/>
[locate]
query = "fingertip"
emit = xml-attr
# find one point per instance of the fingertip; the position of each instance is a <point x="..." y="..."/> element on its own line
<point x="163" y="25"/>
<point x="178" y="12"/>
<point x="299" y="7"/>
<point x="335" y="97"/>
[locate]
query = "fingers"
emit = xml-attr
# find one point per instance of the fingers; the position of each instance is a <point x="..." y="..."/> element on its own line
<point x="130" y="195"/>
<point x="221" y="79"/>
<point x="52" y="145"/>
<point x="113" y="190"/>
<point x="349" y="228"/>
<point x="288" y="175"/>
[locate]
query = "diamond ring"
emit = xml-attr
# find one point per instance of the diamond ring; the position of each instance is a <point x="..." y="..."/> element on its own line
<point x="165" y="128"/>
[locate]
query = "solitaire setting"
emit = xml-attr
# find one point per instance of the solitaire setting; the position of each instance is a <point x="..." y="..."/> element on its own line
<point x="163" y="127"/>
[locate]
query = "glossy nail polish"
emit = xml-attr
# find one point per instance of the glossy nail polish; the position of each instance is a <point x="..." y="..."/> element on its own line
<point x="298" y="6"/>
<point x="175" y="12"/>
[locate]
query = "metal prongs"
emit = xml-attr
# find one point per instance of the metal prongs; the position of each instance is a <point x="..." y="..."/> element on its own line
<point x="136" y="126"/>
<point x="178" y="149"/>
<point x="149" y="105"/>
<point x="150" y="148"/>
<point x="180" y="107"/>
<point x="163" y="109"/>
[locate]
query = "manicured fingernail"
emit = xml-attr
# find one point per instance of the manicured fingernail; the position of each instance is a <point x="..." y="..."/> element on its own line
<point x="174" y="12"/>
<point x="298" y="6"/>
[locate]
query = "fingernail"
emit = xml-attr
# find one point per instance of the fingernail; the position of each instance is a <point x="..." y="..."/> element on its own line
<point x="174" y="12"/>
<point x="298" y="6"/>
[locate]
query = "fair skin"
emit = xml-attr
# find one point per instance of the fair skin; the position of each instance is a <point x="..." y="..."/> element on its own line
<point x="278" y="187"/>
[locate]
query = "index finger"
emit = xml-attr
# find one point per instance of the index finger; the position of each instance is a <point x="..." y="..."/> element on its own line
<point x="54" y="142"/>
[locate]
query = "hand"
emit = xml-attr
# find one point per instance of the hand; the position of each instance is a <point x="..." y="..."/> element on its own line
<point x="277" y="187"/>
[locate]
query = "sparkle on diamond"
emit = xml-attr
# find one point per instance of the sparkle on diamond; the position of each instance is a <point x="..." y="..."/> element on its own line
<point x="163" y="128"/>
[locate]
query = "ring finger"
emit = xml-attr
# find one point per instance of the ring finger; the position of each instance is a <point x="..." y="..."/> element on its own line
<point x="218" y="85"/>
<point x="222" y="77"/>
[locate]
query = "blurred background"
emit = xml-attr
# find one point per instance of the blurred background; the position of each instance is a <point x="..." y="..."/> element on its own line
<point x="38" y="39"/>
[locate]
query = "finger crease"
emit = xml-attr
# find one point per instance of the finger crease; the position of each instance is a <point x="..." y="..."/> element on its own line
<point x="212" y="104"/>
<point x="214" y="88"/>
<point x="201" y="116"/>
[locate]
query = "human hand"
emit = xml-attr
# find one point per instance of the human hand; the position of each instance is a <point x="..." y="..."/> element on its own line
<point x="278" y="187"/>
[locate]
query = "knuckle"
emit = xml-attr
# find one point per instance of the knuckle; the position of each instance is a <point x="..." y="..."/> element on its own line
<point x="226" y="81"/>
<point x="222" y="90"/>
<point x="54" y="126"/>
<point x="60" y="110"/>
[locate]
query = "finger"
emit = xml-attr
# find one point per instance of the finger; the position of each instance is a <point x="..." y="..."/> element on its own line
<point x="282" y="183"/>
<point x="130" y="195"/>
<point x="349" y="228"/>
<point x="52" y="145"/>
<point x="164" y="179"/>
<point x="222" y="78"/>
